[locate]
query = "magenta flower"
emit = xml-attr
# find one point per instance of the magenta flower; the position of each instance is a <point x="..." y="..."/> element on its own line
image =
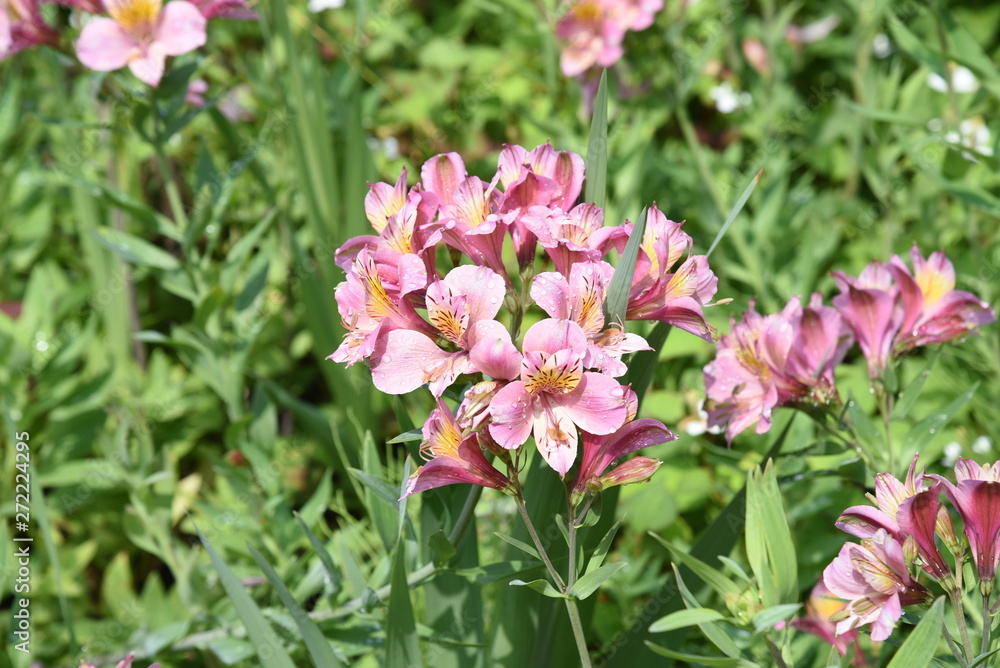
<point x="461" y="307"/>
<point x="978" y="504"/>
<point x="933" y="311"/>
<point x="225" y="9"/>
<point x="676" y="297"/>
<point x="918" y="516"/>
<point x="22" y="27"/>
<point x="599" y="452"/>
<point x="454" y="456"/>
<point x="581" y="299"/>
<point x="554" y="396"/>
<point x="874" y="579"/>
<point x="813" y="341"/>
<point x="870" y="307"/>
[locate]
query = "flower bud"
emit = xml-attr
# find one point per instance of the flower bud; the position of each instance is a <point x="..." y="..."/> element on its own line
<point x="473" y="412"/>
<point x="637" y="469"/>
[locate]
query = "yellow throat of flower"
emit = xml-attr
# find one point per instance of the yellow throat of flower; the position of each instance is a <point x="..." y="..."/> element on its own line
<point x="136" y="16"/>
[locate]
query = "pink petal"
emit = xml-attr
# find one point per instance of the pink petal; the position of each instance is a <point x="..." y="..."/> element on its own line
<point x="442" y="174"/>
<point x="104" y="46"/>
<point x="512" y="411"/>
<point x="551" y="335"/>
<point x="405" y="361"/>
<point x="491" y="350"/>
<point x="149" y="67"/>
<point x="550" y="290"/>
<point x="484" y="290"/>
<point x="555" y="435"/>
<point x="865" y="521"/>
<point x="6" y="40"/>
<point x="181" y="28"/>
<point x="510" y="164"/>
<point x="597" y="404"/>
<point x="383" y="200"/>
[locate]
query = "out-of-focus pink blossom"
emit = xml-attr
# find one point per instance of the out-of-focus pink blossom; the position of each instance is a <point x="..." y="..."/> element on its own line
<point x="22" y="27"/>
<point x="195" y="95"/>
<point x="594" y="30"/>
<point x="822" y="605"/>
<point x="554" y="396"/>
<point x="873" y="577"/>
<point x="226" y="9"/>
<point x="141" y="34"/>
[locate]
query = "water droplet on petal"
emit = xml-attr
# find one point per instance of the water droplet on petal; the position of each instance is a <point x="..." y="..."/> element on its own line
<point x="617" y="392"/>
<point x="386" y="358"/>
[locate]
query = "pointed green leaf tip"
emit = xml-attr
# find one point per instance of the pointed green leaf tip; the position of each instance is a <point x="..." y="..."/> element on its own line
<point x="596" y="187"/>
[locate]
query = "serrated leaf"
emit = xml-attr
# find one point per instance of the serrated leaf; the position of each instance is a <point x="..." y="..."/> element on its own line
<point x="542" y="586"/>
<point x="768" y="617"/>
<point x="521" y="545"/>
<point x="601" y="551"/>
<point x="316" y="644"/>
<point x="596" y="186"/>
<point x="402" y="642"/>
<point x="685" y="618"/>
<point x="592" y="580"/>
<point x="616" y="301"/>
<point x="135" y="250"/>
<point x="918" y="650"/>
<point x="266" y="642"/>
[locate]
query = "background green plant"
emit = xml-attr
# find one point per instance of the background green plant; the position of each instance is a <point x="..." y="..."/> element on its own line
<point x="173" y="380"/>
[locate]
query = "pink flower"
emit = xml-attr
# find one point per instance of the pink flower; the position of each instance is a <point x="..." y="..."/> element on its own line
<point x="874" y="579"/>
<point x="225" y="9"/>
<point x="554" y="396"/>
<point x="890" y="493"/>
<point x="817" y="343"/>
<point x="141" y="34"/>
<point x="933" y="311"/>
<point x="822" y="605"/>
<point x="577" y="236"/>
<point x="581" y="299"/>
<point x="124" y="663"/>
<point x="676" y="297"/>
<point x="22" y="27"/>
<point x="454" y="456"/>
<point x="461" y="307"/>
<point x="918" y="516"/>
<point x="978" y="504"/>
<point x="600" y="452"/>
<point x="594" y="30"/>
<point x="870" y="307"/>
<point x="195" y="95"/>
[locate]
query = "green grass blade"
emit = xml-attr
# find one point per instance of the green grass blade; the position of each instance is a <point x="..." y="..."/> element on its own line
<point x="735" y="212"/>
<point x="41" y="514"/>
<point x="596" y="187"/>
<point x="402" y="643"/>
<point x="616" y="302"/>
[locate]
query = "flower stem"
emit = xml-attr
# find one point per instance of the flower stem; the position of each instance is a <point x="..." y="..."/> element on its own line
<point x="775" y="653"/>
<point x="173" y="194"/>
<point x="987" y="624"/>
<point x="951" y="645"/>
<point x="956" y="605"/>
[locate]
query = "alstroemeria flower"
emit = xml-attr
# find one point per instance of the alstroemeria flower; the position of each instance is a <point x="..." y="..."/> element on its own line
<point x="581" y="299"/>
<point x="978" y="504"/>
<point x="373" y="300"/>
<point x="555" y="395"/>
<point x="471" y="222"/>
<point x="22" y="26"/>
<point x="864" y="521"/>
<point x="657" y="294"/>
<point x="822" y="605"/>
<point x="870" y="306"/>
<point x="141" y="34"/>
<point x="225" y="9"/>
<point x="918" y="516"/>
<point x="874" y="578"/>
<point x="454" y="457"/>
<point x="934" y="311"/>
<point x="461" y="307"/>
<point x="967" y="469"/>
<point x="594" y="31"/>
<point x="575" y="236"/>
<point x="599" y="452"/>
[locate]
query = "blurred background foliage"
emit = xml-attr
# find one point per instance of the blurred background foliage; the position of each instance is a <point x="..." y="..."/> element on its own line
<point x="175" y="381"/>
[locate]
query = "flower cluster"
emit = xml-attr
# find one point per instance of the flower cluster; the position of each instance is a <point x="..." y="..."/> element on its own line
<point x="595" y="29"/>
<point x="789" y="358"/>
<point x="903" y="531"/>
<point x="137" y="33"/>
<point x="420" y="316"/>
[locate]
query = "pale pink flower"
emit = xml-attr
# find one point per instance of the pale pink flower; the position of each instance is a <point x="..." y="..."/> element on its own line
<point x="141" y="34"/>
<point x="555" y="395"/>
<point x="580" y="298"/>
<point x="578" y="235"/>
<point x="873" y="577"/>
<point x="890" y="493"/>
<point x="225" y="9"/>
<point x="454" y="456"/>
<point x="461" y="308"/>
<point x="660" y="293"/>
<point x="22" y="27"/>
<point x="870" y="306"/>
<point x="819" y="608"/>
<point x="594" y="31"/>
<point x="195" y="95"/>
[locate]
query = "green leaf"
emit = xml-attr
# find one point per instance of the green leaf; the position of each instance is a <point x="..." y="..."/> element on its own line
<point x="712" y="661"/>
<point x="616" y="301"/>
<point x="521" y="545"/>
<point x="135" y="250"/>
<point x="909" y="395"/>
<point x="869" y="436"/>
<point x="266" y="642"/>
<point x="918" y="650"/>
<point x="715" y="633"/>
<point x="408" y="436"/>
<point x="316" y="644"/>
<point x="770" y="549"/>
<point x="402" y="643"/>
<point x="336" y="581"/>
<point x="593" y="579"/>
<point x="597" y="558"/>
<point x="768" y="617"/>
<point x="735" y="212"/>
<point x="643" y="364"/>
<point x="596" y="187"/>
<point x="981" y="659"/>
<point x="497" y="571"/>
<point x="541" y="585"/>
<point x="441" y="547"/>
<point x="684" y="618"/>
<point x="713" y="577"/>
<point x="923" y="432"/>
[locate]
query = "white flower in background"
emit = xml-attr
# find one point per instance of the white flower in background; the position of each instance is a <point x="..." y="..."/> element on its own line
<point x="317" y="6"/>
<point x="952" y="452"/>
<point x="389" y="146"/>
<point x="982" y="445"/>
<point x="962" y="81"/>
<point x="812" y="32"/>
<point x="698" y="425"/>
<point x="881" y="46"/>
<point x="972" y="134"/>
<point x="728" y="99"/>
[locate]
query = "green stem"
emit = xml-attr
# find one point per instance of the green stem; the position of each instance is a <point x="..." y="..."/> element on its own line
<point x="951" y="645"/>
<point x="956" y="605"/>
<point x="775" y="653"/>
<point x="577" y="624"/>
<point x="571" y="607"/>
<point x="985" y="644"/>
<point x="173" y="194"/>
<point x="521" y="508"/>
